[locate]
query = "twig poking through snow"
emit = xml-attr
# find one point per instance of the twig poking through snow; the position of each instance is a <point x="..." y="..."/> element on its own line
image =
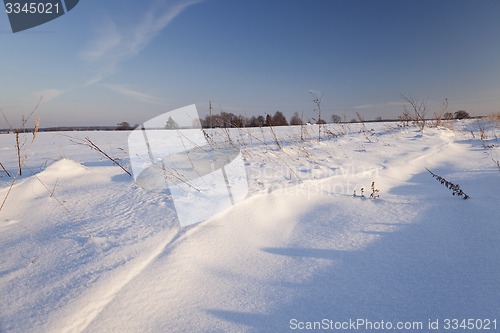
<point x="496" y="161"/>
<point x="94" y="146"/>
<point x="8" y="174"/>
<point x="18" y="146"/>
<point x="375" y="192"/>
<point x="374" y="195"/>
<point x="8" y="192"/>
<point x="453" y="187"/>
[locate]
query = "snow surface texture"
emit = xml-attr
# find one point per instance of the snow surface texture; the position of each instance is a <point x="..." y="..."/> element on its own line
<point x="84" y="249"/>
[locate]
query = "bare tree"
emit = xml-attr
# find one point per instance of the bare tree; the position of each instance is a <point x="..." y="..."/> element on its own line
<point x="336" y="118"/>
<point x="279" y="119"/>
<point x="171" y="124"/>
<point x="123" y="126"/>
<point x="461" y="114"/>
<point x="295" y="120"/>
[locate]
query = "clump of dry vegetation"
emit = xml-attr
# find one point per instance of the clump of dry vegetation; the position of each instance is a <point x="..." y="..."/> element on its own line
<point x="419" y="108"/>
<point x="374" y="195"/>
<point x="495" y="117"/>
<point x="455" y="188"/>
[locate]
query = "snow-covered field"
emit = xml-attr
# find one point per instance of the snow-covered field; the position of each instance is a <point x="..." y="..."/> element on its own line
<point x="84" y="249"/>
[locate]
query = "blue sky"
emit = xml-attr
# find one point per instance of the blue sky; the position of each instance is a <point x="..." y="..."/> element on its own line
<point x="111" y="61"/>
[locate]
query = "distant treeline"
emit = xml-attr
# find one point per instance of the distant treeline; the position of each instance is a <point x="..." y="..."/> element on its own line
<point x="230" y="120"/>
<point x="124" y="126"/>
<point x="66" y="129"/>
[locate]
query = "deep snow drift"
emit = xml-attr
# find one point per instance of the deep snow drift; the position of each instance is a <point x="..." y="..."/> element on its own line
<point x="84" y="249"/>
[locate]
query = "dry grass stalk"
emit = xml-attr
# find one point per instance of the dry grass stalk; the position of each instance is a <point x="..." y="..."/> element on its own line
<point x="362" y="121"/>
<point x="5" y="118"/>
<point x="273" y="132"/>
<point x="455" y="188"/>
<point x="4" y="170"/>
<point x="94" y="146"/>
<point x="497" y="162"/>
<point x="18" y="146"/>
<point x="438" y="116"/>
<point x="495" y="117"/>
<point x="54" y="189"/>
<point x="8" y="192"/>
<point x="35" y="130"/>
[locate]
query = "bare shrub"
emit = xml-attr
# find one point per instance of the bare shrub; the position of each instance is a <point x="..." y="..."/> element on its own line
<point x="495" y="117"/>
<point x="481" y="126"/>
<point x="405" y="119"/>
<point x="439" y="116"/>
<point x="419" y="108"/>
<point x="20" y="142"/>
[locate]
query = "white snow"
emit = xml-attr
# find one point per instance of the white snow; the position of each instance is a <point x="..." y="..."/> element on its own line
<point x="84" y="249"/>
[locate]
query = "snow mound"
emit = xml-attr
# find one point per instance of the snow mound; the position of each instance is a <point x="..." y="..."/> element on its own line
<point x="65" y="168"/>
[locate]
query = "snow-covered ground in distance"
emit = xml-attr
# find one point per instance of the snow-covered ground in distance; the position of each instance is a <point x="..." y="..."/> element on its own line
<point x="84" y="249"/>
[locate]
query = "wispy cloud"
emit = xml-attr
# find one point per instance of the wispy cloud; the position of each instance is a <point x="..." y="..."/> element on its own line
<point x="364" y="106"/>
<point x="155" y="20"/>
<point x="134" y="94"/>
<point x="93" y="79"/>
<point x="118" y="41"/>
<point x="377" y="105"/>
<point x="108" y="39"/>
<point x="396" y="103"/>
<point x="47" y="95"/>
